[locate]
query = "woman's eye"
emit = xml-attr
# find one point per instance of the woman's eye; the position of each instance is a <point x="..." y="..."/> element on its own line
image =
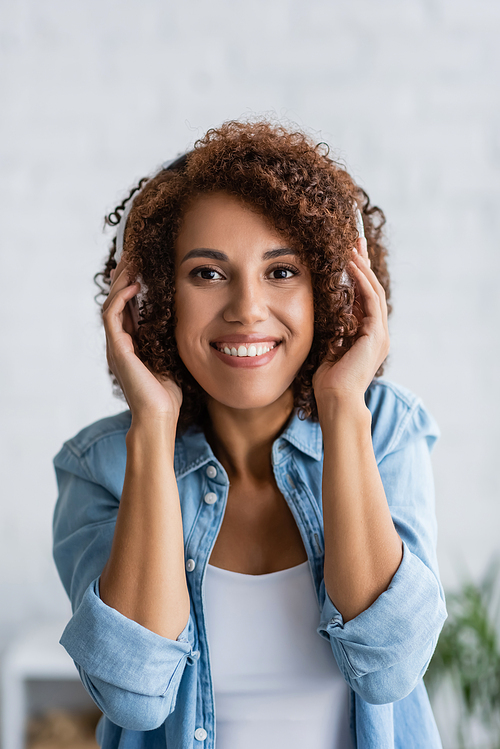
<point x="207" y="274"/>
<point x="283" y="273"/>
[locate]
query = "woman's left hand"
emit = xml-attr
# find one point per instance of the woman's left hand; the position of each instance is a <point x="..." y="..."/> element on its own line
<point x="352" y="374"/>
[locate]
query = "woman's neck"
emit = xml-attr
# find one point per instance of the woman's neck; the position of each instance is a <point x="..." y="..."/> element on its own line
<point x="242" y="439"/>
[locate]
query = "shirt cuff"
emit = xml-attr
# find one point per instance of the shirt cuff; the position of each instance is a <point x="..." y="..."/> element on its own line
<point x="402" y="620"/>
<point x="121" y="652"/>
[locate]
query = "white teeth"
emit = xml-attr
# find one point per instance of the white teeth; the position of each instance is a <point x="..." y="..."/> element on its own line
<point x="252" y="350"/>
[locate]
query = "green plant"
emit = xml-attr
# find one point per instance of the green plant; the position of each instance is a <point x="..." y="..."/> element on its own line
<point x="468" y="655"/>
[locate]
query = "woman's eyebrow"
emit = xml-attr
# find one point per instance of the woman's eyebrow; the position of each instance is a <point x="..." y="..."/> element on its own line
<point x="204" y="252"/>
<point x="271" y="254"/>
<point x="222" y="257"/>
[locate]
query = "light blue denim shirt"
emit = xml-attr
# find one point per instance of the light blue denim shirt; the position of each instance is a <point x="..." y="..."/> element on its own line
<point x="156" y="692"/>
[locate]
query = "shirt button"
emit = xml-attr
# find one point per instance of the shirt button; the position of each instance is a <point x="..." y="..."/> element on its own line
<point x="200" y="734"/>
<point x="190" y="565"/>
<point x="210" y="498"/>
<point x="211" y="472"/>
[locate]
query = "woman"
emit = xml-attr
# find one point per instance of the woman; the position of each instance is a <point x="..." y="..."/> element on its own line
<point x="250" y="548"/>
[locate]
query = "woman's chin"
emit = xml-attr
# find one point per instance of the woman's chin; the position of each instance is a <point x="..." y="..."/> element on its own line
<point x="250" y="401"/>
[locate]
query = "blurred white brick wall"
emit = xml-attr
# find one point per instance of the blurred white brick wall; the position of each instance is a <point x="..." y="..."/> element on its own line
<point x="96" y="94"/>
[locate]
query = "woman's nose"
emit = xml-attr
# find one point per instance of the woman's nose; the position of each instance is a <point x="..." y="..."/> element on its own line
<point x="247" y="304"/>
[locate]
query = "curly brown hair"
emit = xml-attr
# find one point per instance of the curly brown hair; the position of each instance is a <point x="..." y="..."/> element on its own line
<point x="305" y="194"/>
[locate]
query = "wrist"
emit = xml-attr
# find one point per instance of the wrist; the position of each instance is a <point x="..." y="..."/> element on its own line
<point x="148" y="431"/>
<point x="335" y="408"/>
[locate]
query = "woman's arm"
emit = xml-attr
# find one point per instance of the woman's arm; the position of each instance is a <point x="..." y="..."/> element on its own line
<point x="362" y="547"/>
<point x="144" y="578"/>
<point x="122" y="560"/>
<point x="384" y="650"/>
<point x="383" y="604"/>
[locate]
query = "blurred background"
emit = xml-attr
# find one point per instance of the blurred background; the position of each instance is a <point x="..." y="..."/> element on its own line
<point x="95" y="95"/>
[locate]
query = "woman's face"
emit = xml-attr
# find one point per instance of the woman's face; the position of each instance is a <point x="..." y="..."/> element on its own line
<point x="244" y="303"/>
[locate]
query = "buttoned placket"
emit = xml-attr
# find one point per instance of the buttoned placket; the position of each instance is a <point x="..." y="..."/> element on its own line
<point x="297" y="494"/>
<point x="214" y="500"/>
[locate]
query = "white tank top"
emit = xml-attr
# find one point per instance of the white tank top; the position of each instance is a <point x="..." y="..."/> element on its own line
<point x="276" y="681"/>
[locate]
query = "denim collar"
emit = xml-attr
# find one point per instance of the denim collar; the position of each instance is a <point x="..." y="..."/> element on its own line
<point x="305" y="435"/>
<point x="193" y="451"/>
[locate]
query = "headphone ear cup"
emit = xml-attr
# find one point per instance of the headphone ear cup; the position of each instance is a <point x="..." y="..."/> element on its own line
<point x="346" y="279"/>
<point x="141" y="294"/>
<point x="359" y="223"/>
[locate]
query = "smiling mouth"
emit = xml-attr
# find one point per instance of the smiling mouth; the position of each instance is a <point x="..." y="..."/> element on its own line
<point x="253" y="349"/>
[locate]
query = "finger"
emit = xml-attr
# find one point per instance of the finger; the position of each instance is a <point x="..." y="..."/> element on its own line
<point x="120" y="266"/>
<point x="113" y="308"/>
<point x="362" y="248"/>
<point x="118" y="273"/>
<point x="119" y="283"/>
<point x="364" y="266"/>
<point x="121" y="271"/>
<point x="368" y="304"/>
<point x="372" y="304"/>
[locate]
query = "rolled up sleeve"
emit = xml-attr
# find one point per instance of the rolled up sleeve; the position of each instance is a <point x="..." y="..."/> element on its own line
<point x="385" y="650"/>
<point x="132" y="674"/>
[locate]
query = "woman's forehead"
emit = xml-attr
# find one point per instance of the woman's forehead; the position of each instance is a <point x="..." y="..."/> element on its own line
<point x="226" y="221"/>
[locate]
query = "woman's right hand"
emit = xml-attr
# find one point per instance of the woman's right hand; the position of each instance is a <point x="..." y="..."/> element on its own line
<point x="148" y="395"/>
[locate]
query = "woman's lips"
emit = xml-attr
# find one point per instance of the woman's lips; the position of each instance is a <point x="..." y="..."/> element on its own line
<point x="250" y="359"/>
